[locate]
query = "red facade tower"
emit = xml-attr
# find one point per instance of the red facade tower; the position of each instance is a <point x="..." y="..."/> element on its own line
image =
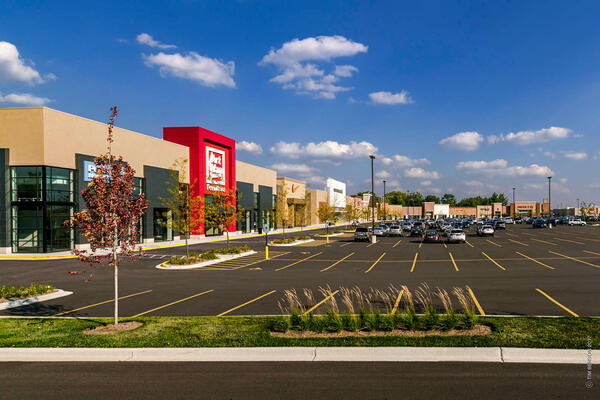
<point x="211" y="160"/>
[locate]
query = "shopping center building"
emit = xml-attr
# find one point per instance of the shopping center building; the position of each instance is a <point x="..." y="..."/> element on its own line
<point x="47" y="158"/>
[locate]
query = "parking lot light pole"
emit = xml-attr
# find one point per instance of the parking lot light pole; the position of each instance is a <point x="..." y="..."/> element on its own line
<point x="514" y="205"/>
<point x="384" y="204"/>
<point x="549" y="197"/>
<point x="373" y="239"/>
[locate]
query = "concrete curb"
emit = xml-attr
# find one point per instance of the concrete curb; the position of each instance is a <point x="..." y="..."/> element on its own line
<point x="35" y="299"/>
<point x="221" y="258"/>
<point x="297" y="242"/>
<point x="303" y="354"/>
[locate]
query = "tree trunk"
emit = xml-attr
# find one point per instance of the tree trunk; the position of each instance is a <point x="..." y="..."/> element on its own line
<point x="227" y="232"/>
<point x="116" y="278"/>
<point x="187" y="250"/>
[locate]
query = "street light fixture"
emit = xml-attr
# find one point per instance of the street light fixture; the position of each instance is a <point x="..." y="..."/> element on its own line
<point x="372" y="157"/>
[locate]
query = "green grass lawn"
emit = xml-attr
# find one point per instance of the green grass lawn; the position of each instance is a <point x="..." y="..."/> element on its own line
<point x="568" y="332"/>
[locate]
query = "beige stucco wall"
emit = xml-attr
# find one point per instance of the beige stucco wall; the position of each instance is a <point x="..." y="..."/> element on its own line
<point x="43" y="136"/>
<point x="256" y="175"/>
<point x="316" y="198"/>
<point x="300" y="193"/>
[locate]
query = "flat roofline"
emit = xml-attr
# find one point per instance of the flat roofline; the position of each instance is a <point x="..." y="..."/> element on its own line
<point x="290" y="179"/>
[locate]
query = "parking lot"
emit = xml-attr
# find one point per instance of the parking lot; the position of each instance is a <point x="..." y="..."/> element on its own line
<point x="519" y="271"/>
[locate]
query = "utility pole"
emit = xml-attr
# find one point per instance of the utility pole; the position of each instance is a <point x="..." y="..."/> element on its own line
<point x="514" y="205"/>
<point x="372" y="157"/>
<point x="549" y="197"/>
<point x="384" y="203"/>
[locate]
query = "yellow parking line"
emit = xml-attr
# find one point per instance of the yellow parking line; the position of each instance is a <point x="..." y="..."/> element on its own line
<point x="469" y="243"/>
<point x="490" y="258"/>
<point x="517" y="242"/>
<point x="246" y="303"/>
<point x="575" y="259"/>
<point x="345" y="244"/>
<point x="299" y="261"/>
<point x="397" y="303"/>
<point x="98" y="304"/>
<point x="528" y="234"/>
<point x="174" y="302"/>
<point x="259" y="261"/>
<point x="543" y="241"/>
<point x="592" y="252"/>
<point x="534" y="260"/>
<point x="557" y="303"/>
<point x="414" y="262"/>
<point x="445" y="245"/>
<point x="337" y="262"/>
<point x="453" y="263"/>
<point x="495" y="244"/>
<point x="397" y="243"/>
<point x="421" y="244"/>
<point x="476" y="302"/>
<point x="321" y="302"/>
<point x="567" y="240"/>
<point x="375" y="263"/>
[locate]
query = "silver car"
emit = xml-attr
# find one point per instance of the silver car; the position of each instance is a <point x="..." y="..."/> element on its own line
<point x="395" y="230"/>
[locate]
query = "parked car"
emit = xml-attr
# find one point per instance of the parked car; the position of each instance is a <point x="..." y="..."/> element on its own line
<point x="499" y="225"/>
<point x="406" y="227"/>
<point x="417" y="230"/>
<point x="539" y="223"/>
<point x="457" y="235"/>
<point x="576" y="222"/>
<point x="395" y="230"/>
<point x="379" y="231"/>
<point x="432" y="236"/>
<point x="518" y="220"/>
<point x="508" y="220"/>
<point x="362" y="233"/>
<point x="485" y="230"/>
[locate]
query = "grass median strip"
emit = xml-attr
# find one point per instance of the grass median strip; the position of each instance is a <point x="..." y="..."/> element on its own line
<point x="237" y="331"/>
<point x="375" y="263"/>
<point x="557" y="303"/>
<point x="100" y="303"/>
<point x="174" y="302"/>
<point x="337" y="262"/>
<point x="492" y="260"/>
<point x="534" y="260"/>
<point x="298" y="262"/>
<point x="246" y="303"/>
<point x="575" y="259"/>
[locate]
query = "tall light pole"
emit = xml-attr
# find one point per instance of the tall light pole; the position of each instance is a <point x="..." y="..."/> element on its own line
<point x="514" y="205"/>
<point x="384" y="203"/>
<point x="372" y="157"/>
<point x="549" y="197"/>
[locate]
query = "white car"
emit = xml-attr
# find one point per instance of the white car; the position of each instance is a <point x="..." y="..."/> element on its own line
<point x="485" y="230"/>
<point x="395" y="230"/>
<point x="457" y="235"/>
<point x="576" y="222"/>
<point x="508" y="220"/>
<point x="379" y="231"/>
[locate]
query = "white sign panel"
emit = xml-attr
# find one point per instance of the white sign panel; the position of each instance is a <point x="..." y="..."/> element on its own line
<point x="215" y="169"/>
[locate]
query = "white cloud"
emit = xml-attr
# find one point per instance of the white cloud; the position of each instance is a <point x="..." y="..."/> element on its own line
<point x="420" y="173"/>
<point x="318" y="181"/>
<point x="389" y="98"/>
<point x="549" y="154"/>
<point x="24" y="99"/>
<point x="426" y="183"/>
<point x="563" y="180"/>
<point x="194" y="67"/>
<point x="404" y="161"/>
<point x="383" y="174"/>
<point x="345" y="71"/>
<point x="292" y="168"/>
<point x="250" y="147"/>
<point x="324" y="150"/>
<point x="594" y="185"/>
<point x="531" y="137"/>
<point x="295" y="71"/>
<point x="574" y="155"/>
<point x="500" y="167"/>
<point x="13" y="67"/>
<point x="467" y="141"/>
<point x="144" y="38"/>
<point x="473" y="183"/>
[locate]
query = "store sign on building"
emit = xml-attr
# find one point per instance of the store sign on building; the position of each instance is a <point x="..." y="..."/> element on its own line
<point x="89" y="171"/>
<point x="215" y="169"/>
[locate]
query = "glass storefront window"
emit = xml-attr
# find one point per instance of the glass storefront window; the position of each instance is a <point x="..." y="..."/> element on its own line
<point x="59" y="185"/>
<point x="27" y="228"/>
<point x="26" y="184"/>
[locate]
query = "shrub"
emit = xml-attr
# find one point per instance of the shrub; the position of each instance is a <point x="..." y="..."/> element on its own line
<point x="296" y="320"/>
<point x="410" y="319"/>
<point x="450" y="320"/>
<point x="193" y="259"/>
<point x="14" y="292"/>
<point x="231" y="250"/>
<point x="279" y="324"/>
<point x="387" y="323"/>
<point x="349" y="322"/>
<point x="333" y="322"/>
<point x="469" y="319"/>
<point x="431" y="318"/>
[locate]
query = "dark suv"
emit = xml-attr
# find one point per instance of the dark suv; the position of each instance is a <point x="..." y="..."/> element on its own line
<point x="362" y="233"/>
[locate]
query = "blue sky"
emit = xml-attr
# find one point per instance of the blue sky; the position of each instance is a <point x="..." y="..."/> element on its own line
<point x="451" y="96"/>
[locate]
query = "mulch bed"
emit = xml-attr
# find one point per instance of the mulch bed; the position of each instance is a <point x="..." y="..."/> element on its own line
<point x="108" y="329"/>
<point x="477" y="330"/>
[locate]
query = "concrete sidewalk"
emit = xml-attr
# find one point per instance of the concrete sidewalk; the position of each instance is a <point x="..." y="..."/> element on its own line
<point x="303" y="354"/>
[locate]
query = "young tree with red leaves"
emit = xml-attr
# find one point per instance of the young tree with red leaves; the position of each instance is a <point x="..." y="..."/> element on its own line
<point x="110" y="222"/>
<point x="221" y="210"/>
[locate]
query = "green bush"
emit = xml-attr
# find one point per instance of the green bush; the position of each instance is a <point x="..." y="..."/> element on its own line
<point x="450" y="320"/>
<point x="333" y="322"/>
<point x="14" y="292"/>
<point x="469" y="319"/>
<point x="349" y="322"/>
<point x="410" y="319"/>
<point x="431" y="318"/>
<point x="193" y="259"/>
<point x="231" y="250"/>
<point x="279" y="324"/>
<point x="296" y="320"/>
<point x="387" y="323"/>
